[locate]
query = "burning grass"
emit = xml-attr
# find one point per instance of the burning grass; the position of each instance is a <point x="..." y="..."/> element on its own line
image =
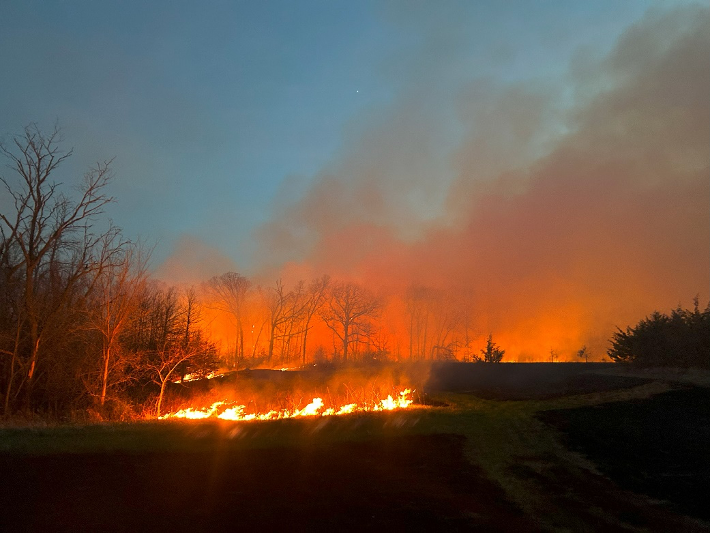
<point x="281" y="394"/>
<point x="226" y="410"/>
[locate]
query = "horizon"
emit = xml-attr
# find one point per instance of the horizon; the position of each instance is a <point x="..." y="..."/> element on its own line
<point x="548" y="164"/>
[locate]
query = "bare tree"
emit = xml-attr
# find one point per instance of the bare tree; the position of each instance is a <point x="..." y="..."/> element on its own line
<point x="230" y="290"/>
<point x="50" y="237"/>
<point x="163" y="366"/>
<point x="120" y="282"/>
<point x="419" y="302"/>
<point x="193" y="338"/>
<point x="193" y="314"/>
<point x="348" y="313"/>
<point x="258" y="314"/>
<point x="277" y="303"/>
<point x="287" y="318"/>
<point x="317" y="293"/>
<point x="293" y="321"/>
<point x="12" y="318"/>
<point x="166" y="338"/>
<point x="466" y="325"/>
<point x="445" y="318"/>
<point x="583" y="353"/>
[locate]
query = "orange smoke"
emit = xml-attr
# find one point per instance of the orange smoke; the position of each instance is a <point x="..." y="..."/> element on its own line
<point x="560" y="223"/>
<point x="552" y="221"/>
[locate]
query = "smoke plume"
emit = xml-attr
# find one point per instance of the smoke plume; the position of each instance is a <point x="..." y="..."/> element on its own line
<point x="561" y="213"/>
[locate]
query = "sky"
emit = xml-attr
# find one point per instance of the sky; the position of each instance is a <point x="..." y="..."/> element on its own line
<point x="552" y="152"/>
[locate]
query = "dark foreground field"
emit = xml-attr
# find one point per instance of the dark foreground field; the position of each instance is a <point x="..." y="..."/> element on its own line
<point x="658" y="446"/>
<point x="629" y="454"/>
<point x="412" y="483"/>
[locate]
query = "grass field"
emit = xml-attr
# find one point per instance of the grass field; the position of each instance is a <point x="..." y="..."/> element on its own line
<point x="476" y="461"/>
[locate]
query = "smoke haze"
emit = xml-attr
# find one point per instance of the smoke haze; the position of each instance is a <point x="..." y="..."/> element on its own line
<point x="560" y="215"/>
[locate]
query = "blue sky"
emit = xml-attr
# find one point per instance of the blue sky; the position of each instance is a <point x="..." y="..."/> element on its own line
<point x="220" y="113"/>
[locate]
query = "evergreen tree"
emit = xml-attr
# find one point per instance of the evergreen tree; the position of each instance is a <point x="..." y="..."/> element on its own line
<point x="491" y="353"/>
<point x="680" y="339"/>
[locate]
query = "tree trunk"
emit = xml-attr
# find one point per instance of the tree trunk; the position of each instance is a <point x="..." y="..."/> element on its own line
<point x="11" y="378"/>
<point x="241" y="340"/>
<point x="6" y="408"/>
<point x="271" y="343"/>
<point x="34" y="327"/>
<point x="162" y="392"/>
<point x="107" y="355"/>
<point x="256" y="342"/>
<point x="33" y="363"/>
<point x="346" y="341"/>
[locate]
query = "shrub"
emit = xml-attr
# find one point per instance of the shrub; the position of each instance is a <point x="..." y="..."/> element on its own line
<point x="681" y="339"/>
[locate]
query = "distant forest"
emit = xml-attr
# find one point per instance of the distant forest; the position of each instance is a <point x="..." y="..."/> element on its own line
<point x="84" y="327"/>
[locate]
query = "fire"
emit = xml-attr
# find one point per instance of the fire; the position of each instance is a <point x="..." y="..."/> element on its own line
<point x="229" y="411"/>
<point x="195" y="377"/>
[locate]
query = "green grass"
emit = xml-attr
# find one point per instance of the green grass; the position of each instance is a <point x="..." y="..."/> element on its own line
<point x="496" y="430"/>
<point x="190" y="435"/>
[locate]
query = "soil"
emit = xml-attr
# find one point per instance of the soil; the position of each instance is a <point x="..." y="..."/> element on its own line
<point x="656" y="446"/>
<point x="413" y="483"/>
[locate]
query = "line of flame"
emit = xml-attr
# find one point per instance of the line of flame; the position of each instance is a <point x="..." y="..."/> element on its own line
<point x="224" y="411"/>
<point x="195" y="377"/>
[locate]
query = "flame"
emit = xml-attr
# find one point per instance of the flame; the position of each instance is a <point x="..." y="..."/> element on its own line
<point x="195" y="377"/>
<point x="228" y="411"/>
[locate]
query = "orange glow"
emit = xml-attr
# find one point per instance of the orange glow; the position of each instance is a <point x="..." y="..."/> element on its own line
<point x="195" y="377"/>
<point x="546" y="235"/>
<point x="225" y="410"/>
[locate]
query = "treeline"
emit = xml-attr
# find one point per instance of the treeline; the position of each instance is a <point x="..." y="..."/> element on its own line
<point x="84" y="329"/>
<point x="678" y="339"/>
<point x="80" y="322"/>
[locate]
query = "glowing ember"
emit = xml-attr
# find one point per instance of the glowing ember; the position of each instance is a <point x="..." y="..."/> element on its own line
<point x="229" y="411"/>
<point x="195" y="377"/>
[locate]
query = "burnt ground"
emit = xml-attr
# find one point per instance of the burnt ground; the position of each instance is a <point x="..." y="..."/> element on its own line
<point x="526" y="381"/>
<point x="659" y="446"/>
<point x="412" y="483"/>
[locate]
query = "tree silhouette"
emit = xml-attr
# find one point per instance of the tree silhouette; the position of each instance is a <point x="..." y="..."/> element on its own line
<point x="317" y="292"/>
<point x="491" y="353"/>
<point x="348" y="313"/>
<point x="680" y="339"/>
<point x="230" y="290"/>
<point x="583" y="353"/>
<point x="50" y="250"/>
